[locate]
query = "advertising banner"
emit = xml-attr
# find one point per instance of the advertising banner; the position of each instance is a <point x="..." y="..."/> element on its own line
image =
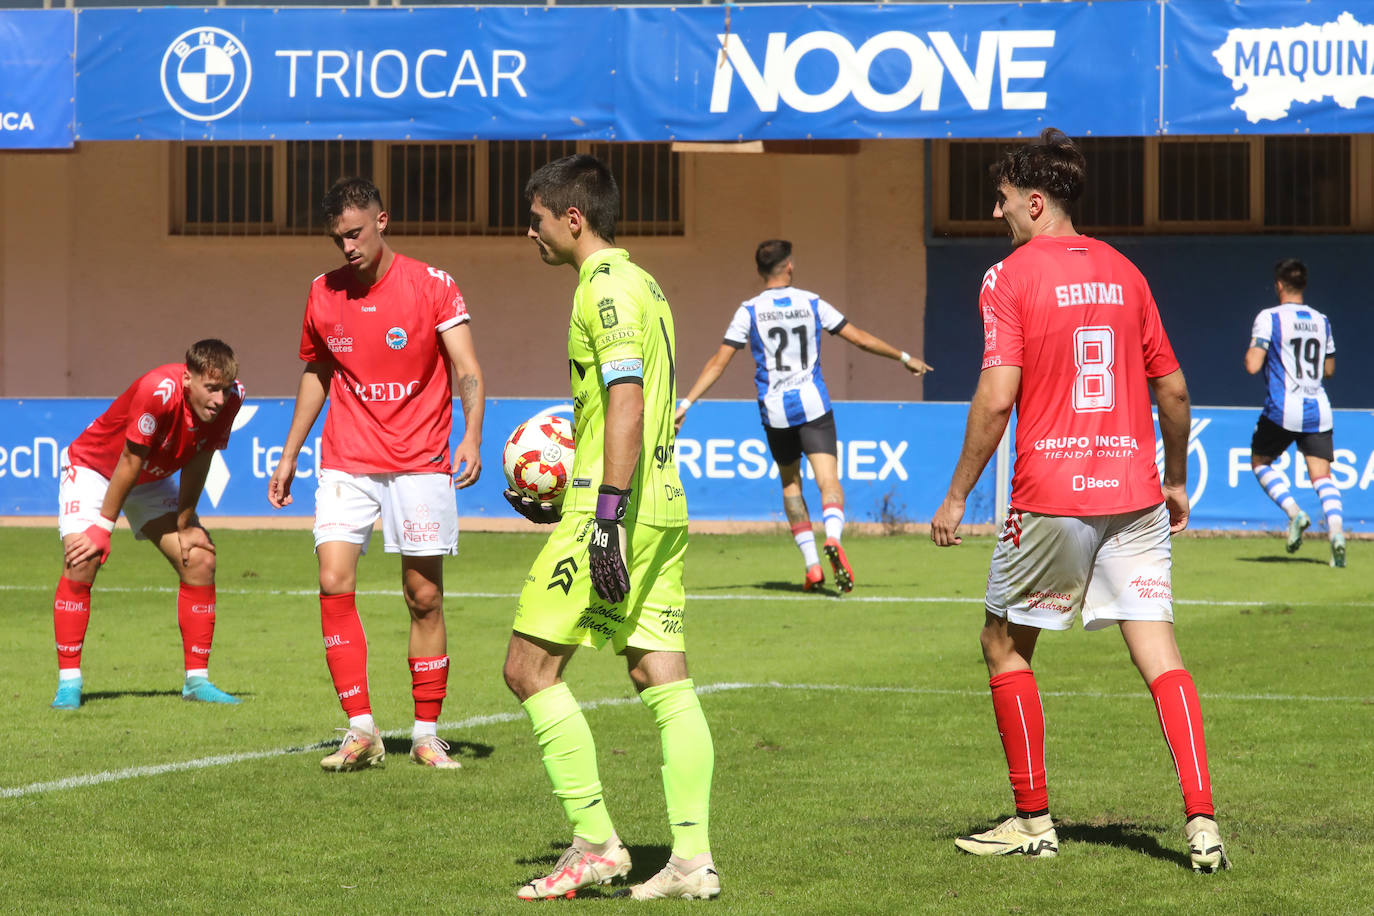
<point x="37" y="78"/>
<point x="1268" y="66"/>
<point x="894" y="458"/>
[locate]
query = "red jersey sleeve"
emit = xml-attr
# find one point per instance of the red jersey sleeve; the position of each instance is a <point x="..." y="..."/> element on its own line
<point x="449" y="307"/>
<point x="155" y="404"/>
<point x="1002" y="334"/>
<point x="1154" y="343"/>
<point x="313" y="346"/>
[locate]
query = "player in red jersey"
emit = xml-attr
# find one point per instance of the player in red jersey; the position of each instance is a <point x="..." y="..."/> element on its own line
<point x="379" y="337"/>
<point x="173" y="418"/>
<point x="1072" y="339"/>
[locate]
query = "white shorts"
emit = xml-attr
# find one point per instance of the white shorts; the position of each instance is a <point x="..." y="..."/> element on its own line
<point x="1109" y="568"/>
<point x="81" y="492"/>
<point x="419" y="512"/>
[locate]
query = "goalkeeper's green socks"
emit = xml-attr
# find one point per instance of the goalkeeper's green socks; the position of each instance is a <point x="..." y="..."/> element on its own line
<point x="570" y="761"/>
<point x="688" y="761"/>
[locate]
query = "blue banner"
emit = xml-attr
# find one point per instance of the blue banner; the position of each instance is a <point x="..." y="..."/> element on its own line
<point x="1268" y="66"/>
<point x="37" y="78"/>
<point x="895" y="460"/>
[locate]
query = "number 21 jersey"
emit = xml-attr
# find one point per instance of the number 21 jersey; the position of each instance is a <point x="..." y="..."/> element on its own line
<point x="1079" y="320"/>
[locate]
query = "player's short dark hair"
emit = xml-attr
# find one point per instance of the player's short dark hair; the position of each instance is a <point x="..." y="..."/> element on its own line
<point x="213" y="357"/>
<point x="771" y="255"/>
<point x="349" y="194"/>
<point x="1291" y="273"/>
<point x="580" y="181"/>
<point x="1052" y="165"/>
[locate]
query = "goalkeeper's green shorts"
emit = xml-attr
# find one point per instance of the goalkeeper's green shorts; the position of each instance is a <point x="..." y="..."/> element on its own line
<point x="558" y="603"/>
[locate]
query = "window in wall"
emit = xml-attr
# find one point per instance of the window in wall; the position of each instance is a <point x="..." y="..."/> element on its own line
<point x="226" y="187"/>
<point x="1204" y="180"/>
<point x="430" y="188"/>
<point x="1114" y="192"/>
<point x="1307" y="181"/>
<point x="312" y="166"/>
<point x="971" y="197"/>
<point x="510" y="164"/>
<point x="650" y="186"/>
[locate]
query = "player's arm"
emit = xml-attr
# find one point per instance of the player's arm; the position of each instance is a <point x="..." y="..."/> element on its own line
<point x="1329" y="367"/>
<point x="467" y="457"/>
<point x="988" y="415"/>
<point x="878" y="347"/>
<point x="310" y="397"/>
<point x="192" y="484"/>
<point x="1175" y="420"/>
<point x="1254" y="357"/>
<point x="710" y="374"/>
<point x="95" y="540"/>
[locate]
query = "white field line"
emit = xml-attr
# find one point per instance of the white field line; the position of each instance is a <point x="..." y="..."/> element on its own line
<point x="95" y="779"/>
<point x="691" y="596"/>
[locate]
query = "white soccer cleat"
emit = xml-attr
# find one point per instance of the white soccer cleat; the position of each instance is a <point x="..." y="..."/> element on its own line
<point x="1204" y="846"/>
<point x="358" y="751"/>
<point x="1015" y="836"/>
<point x="432" y="751"/>
<point x="579" y="868"/>
<point x="1338" y="551"/>
<point x="702" y="883"/>
<point x="1296" y="526"/>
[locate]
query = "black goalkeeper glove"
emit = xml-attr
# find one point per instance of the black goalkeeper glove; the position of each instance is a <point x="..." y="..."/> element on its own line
<point x="606" y="552"/>
<point x="536" y="510"/>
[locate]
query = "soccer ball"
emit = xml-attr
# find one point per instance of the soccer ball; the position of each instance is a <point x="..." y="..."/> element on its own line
<point x="539" y="457"/>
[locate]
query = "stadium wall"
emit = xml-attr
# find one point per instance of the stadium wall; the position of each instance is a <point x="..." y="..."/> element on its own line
<point x="95" y="290"/>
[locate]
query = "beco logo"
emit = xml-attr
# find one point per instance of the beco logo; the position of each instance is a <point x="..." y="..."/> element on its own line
<point x="206" y="73"/>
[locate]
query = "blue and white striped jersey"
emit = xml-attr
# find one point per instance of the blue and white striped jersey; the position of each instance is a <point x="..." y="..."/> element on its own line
<point x="1298" y="340"/>
<point x="782" y="328"/>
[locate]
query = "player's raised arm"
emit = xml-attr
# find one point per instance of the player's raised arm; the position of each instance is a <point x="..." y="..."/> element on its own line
<point x="310" y="397"/>
<point x="988" y="415"/>
<point x="710" y="373"/>
<point x="878" y="347"/>
<point x="467" y="456"/>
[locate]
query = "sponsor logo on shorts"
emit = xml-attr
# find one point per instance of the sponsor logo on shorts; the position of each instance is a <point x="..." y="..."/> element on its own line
<point x="563" y="572"/>
<point x="396" y="338"/>
<point x="147" y="424"/>
<point x="601" y="620"/>
<point x="1153" y="587"/>
<point x="672" y="620"/>
<point x="1053" y="601"/>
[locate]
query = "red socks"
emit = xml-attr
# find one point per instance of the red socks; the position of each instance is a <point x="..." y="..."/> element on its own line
<point x="429" y="685"/>
<point x="1021" y="723"/>
<point x="71" y="614"/>
<point x="345" y="651"/>
<point x="1180" y="715"/>
<point x="196" y="618"/>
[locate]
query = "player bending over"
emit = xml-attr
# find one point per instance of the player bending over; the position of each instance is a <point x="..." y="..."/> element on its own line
<point x="173" y="418"/>
<point x="782" y="328"/>
<point x="612" y="569"/>
<point x="379" y="336"/>
<point x="1072" y="339"/>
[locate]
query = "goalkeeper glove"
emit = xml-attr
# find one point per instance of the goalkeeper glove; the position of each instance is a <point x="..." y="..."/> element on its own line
<point x="606" y="552"/>
<point x="536" y="510"/>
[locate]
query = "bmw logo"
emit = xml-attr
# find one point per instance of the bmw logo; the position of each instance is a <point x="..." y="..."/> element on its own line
<point x="206" y="73"/>
<point x="396" y="338"/>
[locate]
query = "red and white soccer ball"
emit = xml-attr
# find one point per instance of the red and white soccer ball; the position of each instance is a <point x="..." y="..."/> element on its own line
<point x="539" y="457"/>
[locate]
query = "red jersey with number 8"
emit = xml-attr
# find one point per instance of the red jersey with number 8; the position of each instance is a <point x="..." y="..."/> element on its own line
<point x="390" y="401"/>
<point x="1077" y="317"/>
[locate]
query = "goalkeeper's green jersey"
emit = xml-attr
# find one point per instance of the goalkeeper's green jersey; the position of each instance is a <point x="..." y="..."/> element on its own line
<point x="620" y="315"/>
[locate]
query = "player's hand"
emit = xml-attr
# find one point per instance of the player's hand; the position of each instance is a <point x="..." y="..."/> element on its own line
<point x="1176" y="501"/>
<point x="467" y="461"/>
<point x="917" y="366"/>
<point x="279" y="487"/>
<point x="678" y="418"/>
<point x="192" y="538"/>
<point x="946" y="522"/>
<point x="536" y="510"/>
<point x="606" y="551"/>
<point x="91" y="543"/>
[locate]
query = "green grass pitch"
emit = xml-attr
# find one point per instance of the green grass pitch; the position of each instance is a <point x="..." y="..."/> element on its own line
<point x="854" y="739"/>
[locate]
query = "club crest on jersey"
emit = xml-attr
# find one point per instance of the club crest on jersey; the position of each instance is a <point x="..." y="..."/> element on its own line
<point x="396" y="338"/>
<point x="206" y="73"/>
<point x="147" y="424"/>
<point x="606" y="309"/>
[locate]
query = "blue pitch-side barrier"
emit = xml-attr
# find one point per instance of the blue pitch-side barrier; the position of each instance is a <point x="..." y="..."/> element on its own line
<point x="895" y="459"/>
<point x="738" y="71"/>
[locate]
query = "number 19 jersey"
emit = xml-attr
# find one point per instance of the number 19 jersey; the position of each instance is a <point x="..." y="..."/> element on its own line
<point x="1298" y="340"/>
<point x="1079" y="320"/>
<point x="782" y="328"/>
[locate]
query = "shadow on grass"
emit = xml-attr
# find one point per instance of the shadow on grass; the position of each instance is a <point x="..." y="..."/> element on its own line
<point x="796" y="588"/>
<point x="458" y="750"/>
<point x="646" y="862"/>
<point x="1126" y="836"/>
<point x="97" y="695"/>
<point x="1275" y="558"/>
